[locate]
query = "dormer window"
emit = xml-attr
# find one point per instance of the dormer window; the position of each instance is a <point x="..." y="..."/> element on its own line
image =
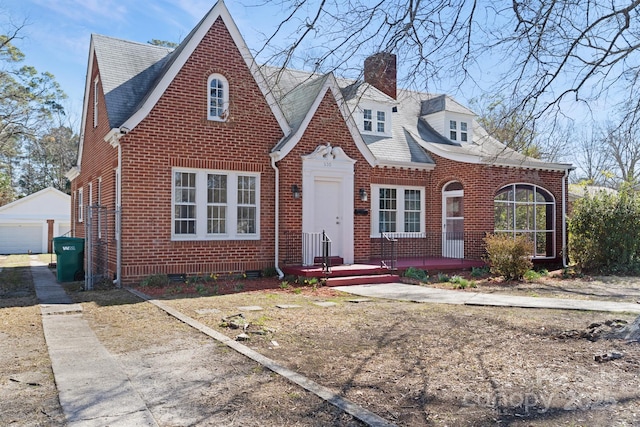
<point x="218" y="98"/>
<point x="368" y="127"/>
<point x="381" y="121"/>
<point x="376" y="121"/>
<point x="454" y="130"/>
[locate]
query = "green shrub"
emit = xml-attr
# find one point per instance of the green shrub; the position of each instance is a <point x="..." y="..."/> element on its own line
<point x="416" y="273"/>
<point x="479" y="271"/>
<point x="443" y="278"/>
<point x="508" y="256"/>
<point x="461" y="283"/>
<point x="155" y="281"/>
<point x="604" y="232"/>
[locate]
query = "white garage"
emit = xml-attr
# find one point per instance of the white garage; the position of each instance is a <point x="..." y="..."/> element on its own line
<point x="28" y="224"/>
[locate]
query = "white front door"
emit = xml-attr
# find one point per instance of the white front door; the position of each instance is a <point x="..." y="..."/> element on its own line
<point x="329" y="199"/>
<point x="453" y="224"/>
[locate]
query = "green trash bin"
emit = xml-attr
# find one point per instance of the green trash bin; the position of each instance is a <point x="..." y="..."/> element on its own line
<point x="70" y="254"/>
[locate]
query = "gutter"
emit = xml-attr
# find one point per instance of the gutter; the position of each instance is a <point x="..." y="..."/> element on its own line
<point x="277" y="216"/>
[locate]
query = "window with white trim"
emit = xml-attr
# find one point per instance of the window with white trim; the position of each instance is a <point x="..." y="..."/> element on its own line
<point x="397" y="209"/>
<point x="95" y="102"/>
<point x="99" y="203"/>
<point x="529" y="210"/>
<point x="454" y="130"/>
<point x="374" y="121"/>
<point x="215" y="205"/>
<point x="79" y="212"/>
<point x="217" y="98"/>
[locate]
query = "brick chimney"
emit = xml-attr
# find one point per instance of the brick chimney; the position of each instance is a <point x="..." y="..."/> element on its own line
<point x="380" y="72"/>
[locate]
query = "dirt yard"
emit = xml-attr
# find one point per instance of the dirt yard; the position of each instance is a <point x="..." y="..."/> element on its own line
<point x="412" y="364"/>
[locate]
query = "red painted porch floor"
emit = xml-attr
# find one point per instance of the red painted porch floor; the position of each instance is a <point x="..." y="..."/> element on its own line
<point x="372" y="272"/>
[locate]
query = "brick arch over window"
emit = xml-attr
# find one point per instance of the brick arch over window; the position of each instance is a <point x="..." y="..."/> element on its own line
<point x="529" y="210"/>
<point x="217" y="98"/>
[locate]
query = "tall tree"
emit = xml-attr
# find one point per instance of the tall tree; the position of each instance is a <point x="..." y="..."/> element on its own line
<point x="540" y="52"/>
<point x="28" y="102"/>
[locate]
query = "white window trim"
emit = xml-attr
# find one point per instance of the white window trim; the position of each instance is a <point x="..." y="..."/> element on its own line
<point x="99" y="203"/>
<point x="515" y="231"/>
<point x="80" y="206"/>
<point x="225" y="98"/>
<point x="201" y="206"/>
<point x="375" y="109"/>
<point x="95" y="102"/>
<point x="375" y="212"/>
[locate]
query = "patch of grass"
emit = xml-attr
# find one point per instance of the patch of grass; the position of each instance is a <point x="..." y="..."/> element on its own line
<point x="460" y="282"/>
<point x="284" y="284"/>
<point x="155" y="281"/>
<point x="531" y="275"/>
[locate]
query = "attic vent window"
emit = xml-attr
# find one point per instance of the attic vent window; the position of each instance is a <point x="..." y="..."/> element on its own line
<point x="218" y="97"/>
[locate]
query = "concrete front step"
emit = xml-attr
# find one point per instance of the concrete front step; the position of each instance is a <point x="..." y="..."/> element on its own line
<point x="362" y="280"/>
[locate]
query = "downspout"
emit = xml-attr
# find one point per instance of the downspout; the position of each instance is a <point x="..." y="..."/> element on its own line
<point x="565" y="262"/>
<point x="277" y="216"/>
<point x="118" y="281"/>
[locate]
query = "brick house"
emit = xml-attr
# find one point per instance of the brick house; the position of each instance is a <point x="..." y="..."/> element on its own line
<point x="196" y="160"/>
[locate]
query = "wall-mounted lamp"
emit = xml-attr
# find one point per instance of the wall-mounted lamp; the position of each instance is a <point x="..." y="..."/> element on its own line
<point x="363" y="195"/>
<point x="295" y="191"/>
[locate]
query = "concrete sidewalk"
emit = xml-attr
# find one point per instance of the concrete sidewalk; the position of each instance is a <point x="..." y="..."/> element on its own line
<point x="404" y="292"/>
<point x="93" y="389"/>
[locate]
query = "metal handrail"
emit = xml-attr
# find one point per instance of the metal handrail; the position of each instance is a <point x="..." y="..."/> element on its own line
<point x="388" y="252"/>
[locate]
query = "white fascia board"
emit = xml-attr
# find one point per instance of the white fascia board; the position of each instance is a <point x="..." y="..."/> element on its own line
<point x="219" y="10"/>
<point x="72" y="173"/>
<point x="407" y="165"/>
<point x="85" y="101"/>
<point x="473" y="159"/>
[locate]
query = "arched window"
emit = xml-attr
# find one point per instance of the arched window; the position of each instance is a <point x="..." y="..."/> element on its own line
<point x="218" y="98"/>
<point x="526" y="209"/>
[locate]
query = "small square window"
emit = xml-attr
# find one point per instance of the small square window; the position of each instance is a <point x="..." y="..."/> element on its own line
<point x="452" y="135"/>
<point x="452" y="125"/>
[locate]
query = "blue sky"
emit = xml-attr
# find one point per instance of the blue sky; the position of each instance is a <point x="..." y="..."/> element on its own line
<point x="56" y="38"/>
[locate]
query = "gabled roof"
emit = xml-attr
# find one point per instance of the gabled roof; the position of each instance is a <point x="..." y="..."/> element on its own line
<point x="135" y="75"/>
<point x="48" y="203"/>
<point x="128" y="70"/>
<point x="300" y="104"/>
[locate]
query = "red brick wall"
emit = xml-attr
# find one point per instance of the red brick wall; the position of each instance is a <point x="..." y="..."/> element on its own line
<point x="177" y="134"/>
<point x="99" y="159"/>
<point x="327" y="126"/>
<point x="481" y="183"/>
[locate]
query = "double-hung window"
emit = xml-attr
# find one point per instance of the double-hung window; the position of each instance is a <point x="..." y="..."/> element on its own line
<point x="215" y="205"/>
<point x="375" y="121"/>
<point x="80" y="211"/>
<point x="462" y="130"/>
<point x="397" y="209"/>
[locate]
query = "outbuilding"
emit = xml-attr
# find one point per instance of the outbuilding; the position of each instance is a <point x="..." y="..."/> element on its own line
<point x="28" y="225"/>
